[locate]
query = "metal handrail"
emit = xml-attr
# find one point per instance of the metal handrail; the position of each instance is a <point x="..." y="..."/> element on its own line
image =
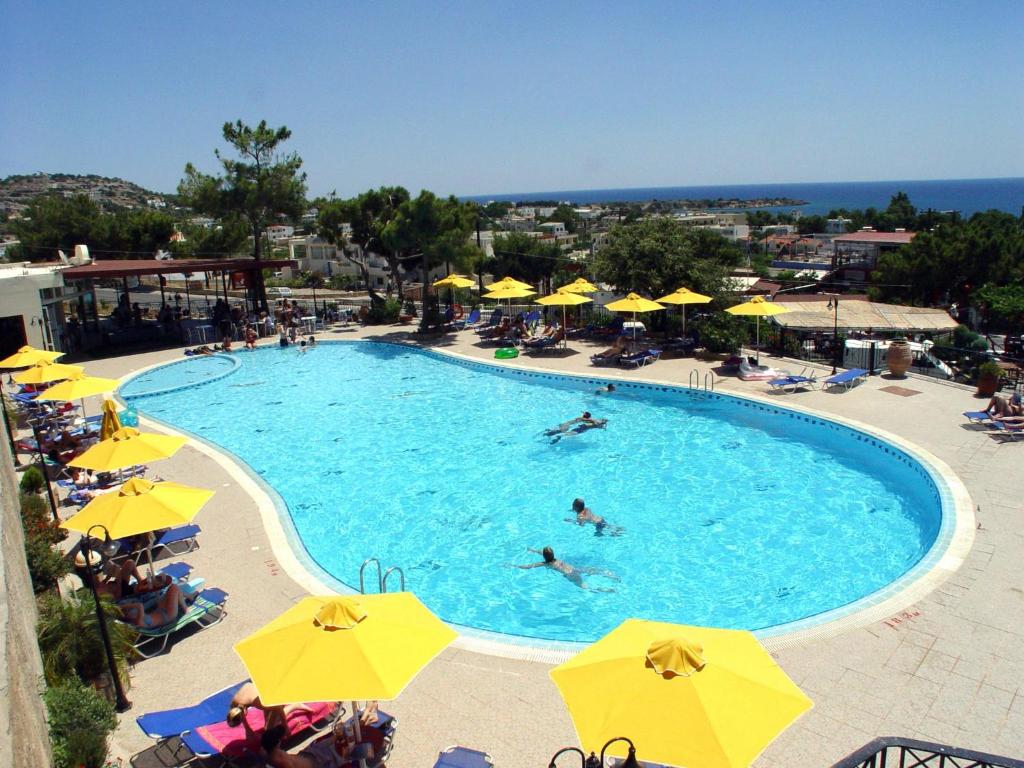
<point x="362" y="580"/>
<point x="693" y="382"/>
<point x="712" y="387"/>
<point x="388" y="572"/>
<point x="895" y="750"/>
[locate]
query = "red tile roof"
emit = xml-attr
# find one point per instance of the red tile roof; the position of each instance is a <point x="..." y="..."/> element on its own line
<point x="894" y="238"/>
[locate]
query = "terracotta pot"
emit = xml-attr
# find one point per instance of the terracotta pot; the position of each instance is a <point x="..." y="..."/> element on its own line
<point x="987" y="385"/>
<point x="899" y="358"/>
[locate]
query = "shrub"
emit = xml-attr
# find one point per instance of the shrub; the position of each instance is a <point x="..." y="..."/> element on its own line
<point x="989" y="368"/>
<point x="38" y="522"/>
<point x="383" y="312"/>
<point x="721" y="332"/>
<point x="70" y="642"/>
<point x="80" y="721"/>
<point x="32" y="480"/>
<point x="45" y="564"/>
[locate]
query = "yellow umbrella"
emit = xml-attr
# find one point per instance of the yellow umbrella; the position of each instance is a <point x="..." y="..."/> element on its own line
<point x="334" y="648"/>
<point x="26" y="356"/>
<point x="127" y="447"/>
<point x="634" y="303"/>
<point x="77" y="387"/>
<point x="140" y="506"/>
<point x="453" y="281"/>
<point x="682" y="297"/>
<point x="759" y="307"/>
<point x="563" y="298"/>
<point x="509" y="292"/>
<point x="580" y="285"/>
<point x="43" y="373"/>
<point x="693" y="696"/>
<point x="510" y="282"/>
<point x="111" y="421"/>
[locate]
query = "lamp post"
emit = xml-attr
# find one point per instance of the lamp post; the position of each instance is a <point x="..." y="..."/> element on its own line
<point x="598" y="762"/>
<point x="833" y="304"/>
<point x="122" y="700"/>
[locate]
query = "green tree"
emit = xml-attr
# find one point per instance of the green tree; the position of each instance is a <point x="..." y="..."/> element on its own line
<point x="69" y="638"/>
<point x="565" y="214"/>
<point x="657" y="256"/>
<point x="259" y="187"/>
<point x="371" y="215"/>
<point x="228" y="237"/>
<point x="526" y="258"/>
<point x="80" y="720"/>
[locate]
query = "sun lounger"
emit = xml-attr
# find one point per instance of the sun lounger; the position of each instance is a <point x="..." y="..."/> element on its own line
<point x="207" y="610"/>
<point x="184" y="535"/>
<point x="978" y="417"/>
<point x="847" y="379"/>
<point x="170" y="723"/>
<point x="494" y="320"/>
<point x="467" y="322"/>
<point x="640" y="359"/>
<point x="215" y="738"/>
<point x="792" y="383"/>
<point x="462" y="757"/>
<point x="1010" y="431"/>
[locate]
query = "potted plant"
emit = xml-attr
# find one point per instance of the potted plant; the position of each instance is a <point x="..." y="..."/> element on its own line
<point x="989" y="373"/>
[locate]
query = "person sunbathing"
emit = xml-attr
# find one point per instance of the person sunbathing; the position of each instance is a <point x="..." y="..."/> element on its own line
<point x="247" y="696"/>
<point x="119" y="585"/>
<point x="1000" y="405"/>
<point x="571" y="572"/>
<point x="339" y="751"/>
<point x="169" y="607"/>
<point x="498" y="331"/>
<point x="616" y="350"/>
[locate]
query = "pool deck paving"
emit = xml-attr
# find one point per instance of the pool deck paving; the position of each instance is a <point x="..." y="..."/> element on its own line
<point x="947" y="668"/>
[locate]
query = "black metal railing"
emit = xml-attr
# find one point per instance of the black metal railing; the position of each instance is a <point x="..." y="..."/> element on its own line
<point x="897" y="752"/>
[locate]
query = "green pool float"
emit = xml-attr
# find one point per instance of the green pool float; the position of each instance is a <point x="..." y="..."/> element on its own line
<point x="506" y="353"/>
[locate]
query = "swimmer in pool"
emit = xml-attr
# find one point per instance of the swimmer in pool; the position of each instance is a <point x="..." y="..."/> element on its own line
<point x="574" y="427"/>
<point x="584" y="515"/>
<point x="605" y="390"/>
<point x="571" y="572"/>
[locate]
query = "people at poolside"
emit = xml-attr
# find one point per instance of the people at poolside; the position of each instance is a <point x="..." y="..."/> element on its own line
<point x="571" y="572"/>
<point x="247" y="696"/>
<point x="169" y="607"/>
<point x="338" y="751"/>
<point x="293" y="332"/>
<point x="1000" y="405"/>
<point x="585" y="515"/>
<point x="302" y="347"/>
<point x="250" y="337"/>
<point x="617" y="349"/>
<point x="498" y="331"/>
<point x="576" y="426"/>
<point x="118" y="584"/>
<point x="312" y="342"/>
<point x="282" y="335"/>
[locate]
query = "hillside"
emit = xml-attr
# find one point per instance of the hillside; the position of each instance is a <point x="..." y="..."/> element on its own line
<point x="17" y="191"/>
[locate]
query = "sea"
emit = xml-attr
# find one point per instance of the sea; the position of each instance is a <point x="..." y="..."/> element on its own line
<point x="967" y="196"/>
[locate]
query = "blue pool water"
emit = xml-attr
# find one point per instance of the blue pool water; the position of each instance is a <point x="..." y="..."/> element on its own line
<point x="735" y="514"/>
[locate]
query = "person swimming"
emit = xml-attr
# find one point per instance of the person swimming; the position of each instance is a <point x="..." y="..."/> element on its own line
<point x="576" y="426"/>
<point x="585" y="515"/>
<point x="571" y="572"/>
<point x="606" y="390"/>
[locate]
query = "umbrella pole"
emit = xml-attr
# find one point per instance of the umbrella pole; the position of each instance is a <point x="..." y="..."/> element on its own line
<point x="149" y="557"/>
<point x="358" y="730"/>
<point x="757" y="337"/>
<point x="683" y="334"/>
<point x="565" y="341"/>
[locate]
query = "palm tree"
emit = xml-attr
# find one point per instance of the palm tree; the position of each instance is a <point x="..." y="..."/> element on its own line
<point x="70" y="642"/>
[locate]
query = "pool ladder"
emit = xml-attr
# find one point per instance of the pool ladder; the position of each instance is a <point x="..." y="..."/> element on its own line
<point x="382" y="577"/>
<point x="709" y="380"/>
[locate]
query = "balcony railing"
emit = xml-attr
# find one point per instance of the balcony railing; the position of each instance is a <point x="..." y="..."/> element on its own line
<point x="896" y="752"/>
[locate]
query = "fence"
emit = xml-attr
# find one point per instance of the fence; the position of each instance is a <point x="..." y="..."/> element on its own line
<point x="896" y="752"/>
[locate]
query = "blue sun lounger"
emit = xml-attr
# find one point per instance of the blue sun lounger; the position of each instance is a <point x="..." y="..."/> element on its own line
<point x="1000" y="429"/>
<point x="169" y="723"/>
<point x="978" y="417"/>
<point x="847" y="379"/>
<point x="640" y="359"/>
<point x="462" y="757"/>
<point x="792" y="383"/>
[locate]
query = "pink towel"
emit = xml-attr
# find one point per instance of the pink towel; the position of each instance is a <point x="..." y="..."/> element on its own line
<point x="232" y="742"/>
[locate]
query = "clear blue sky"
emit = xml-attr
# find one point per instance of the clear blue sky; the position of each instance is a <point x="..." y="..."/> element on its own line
<point x="475" y="98"/>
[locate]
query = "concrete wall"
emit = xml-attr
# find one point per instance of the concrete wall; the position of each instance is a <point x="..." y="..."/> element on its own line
<point x="24" y="741"/>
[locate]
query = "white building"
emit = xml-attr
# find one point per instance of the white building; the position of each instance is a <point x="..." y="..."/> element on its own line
<point x="731" y="232"/>
<point x="546" y="211"/>
<point x="278" y="232"/>
<point x="553" y="227"/>
<point x="837" y="226"/>
<point x="32" y="300"/>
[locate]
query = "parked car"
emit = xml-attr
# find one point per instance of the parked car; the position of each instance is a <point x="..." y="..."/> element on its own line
<point x="278" y="292"/>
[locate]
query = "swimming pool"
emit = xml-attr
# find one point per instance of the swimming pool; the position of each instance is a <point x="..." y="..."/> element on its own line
<point x="735" y="514"/>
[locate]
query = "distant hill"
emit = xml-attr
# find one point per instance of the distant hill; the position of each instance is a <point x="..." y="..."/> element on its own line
<point x="16" y="192"/>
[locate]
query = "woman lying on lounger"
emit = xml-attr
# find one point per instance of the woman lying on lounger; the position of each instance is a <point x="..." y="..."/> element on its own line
<point x="617" y="349"/>
<point x="119" y="585"/>
<point x="169" y="607"/>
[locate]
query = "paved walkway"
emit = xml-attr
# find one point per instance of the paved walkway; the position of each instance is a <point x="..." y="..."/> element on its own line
<point x="950" y="668"/>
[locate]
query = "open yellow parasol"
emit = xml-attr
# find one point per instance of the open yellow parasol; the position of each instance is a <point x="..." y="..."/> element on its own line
<point x="580" y="285"/>
<point x="634" y="303"/>
<point x="77" y="387"/>
<point x="682" y="297"/>
<point x="127" y="447"/>
<point x="140" y="506"/>
<point x="26" y="356"/>
<point x="453" y="281"/>
<point x="563" y="298"/>
<point x="43" y="373"/>
<point x="693" y="696"/>
<point x="757" y="307"/>
<point x="111" y="421"/>
<point x="349" y="647"/>
<point x="510" y="282"/>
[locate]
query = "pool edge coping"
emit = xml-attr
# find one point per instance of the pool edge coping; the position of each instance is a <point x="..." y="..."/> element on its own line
<point x="955" y="537"/>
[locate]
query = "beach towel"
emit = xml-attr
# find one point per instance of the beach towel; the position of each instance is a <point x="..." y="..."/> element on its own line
<point x="232" y="742"/>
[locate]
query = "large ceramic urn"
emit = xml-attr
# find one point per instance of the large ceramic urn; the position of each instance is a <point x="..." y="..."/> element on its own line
<point x="899" y="357"/>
